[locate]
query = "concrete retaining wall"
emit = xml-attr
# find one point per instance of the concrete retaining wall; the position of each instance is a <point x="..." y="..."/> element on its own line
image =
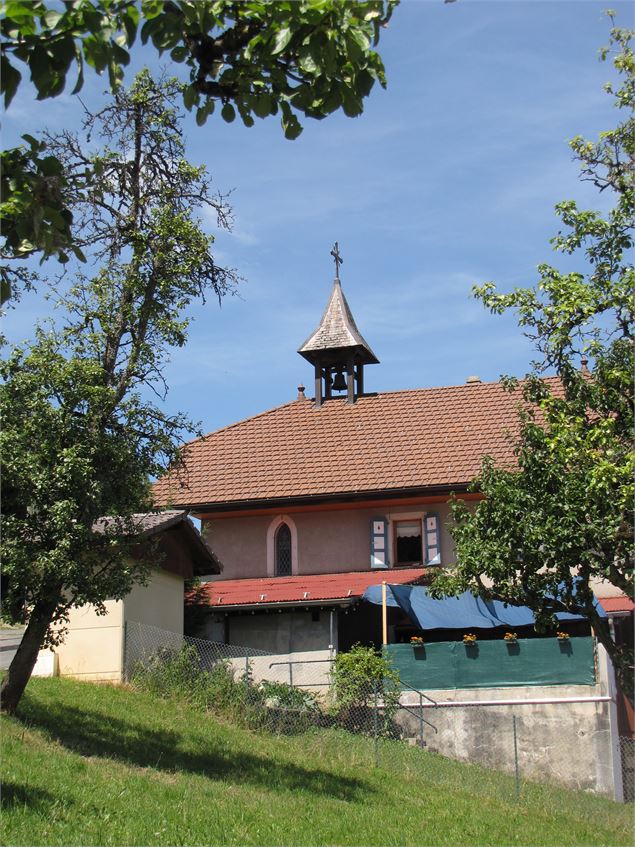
<point x="310" y="670"/>
<point x="565" y="742"/>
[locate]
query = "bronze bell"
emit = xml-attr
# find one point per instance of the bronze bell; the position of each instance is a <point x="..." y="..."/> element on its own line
<point x="339" y="383"/>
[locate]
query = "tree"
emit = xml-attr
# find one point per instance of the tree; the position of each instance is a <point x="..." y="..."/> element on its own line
<point x="562" y="519"/>
<point x="252" y="58"/>
<point x="80" y="438"/>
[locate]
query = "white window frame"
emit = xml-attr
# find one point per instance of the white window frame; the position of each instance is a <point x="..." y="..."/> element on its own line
<point x="391" y="517"/>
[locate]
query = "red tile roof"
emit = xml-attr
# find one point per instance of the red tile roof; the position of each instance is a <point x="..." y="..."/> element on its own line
<point x="434" y="437"/>
<point x="298" y="589"/>
<point x="616" y="604"/>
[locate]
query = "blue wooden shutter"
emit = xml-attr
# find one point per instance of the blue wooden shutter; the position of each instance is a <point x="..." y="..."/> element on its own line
<point x="433" y="539"/>
<point x="379" y="543"/>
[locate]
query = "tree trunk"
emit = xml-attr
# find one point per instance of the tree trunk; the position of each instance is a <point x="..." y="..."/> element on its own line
<point x="25" y="658"/>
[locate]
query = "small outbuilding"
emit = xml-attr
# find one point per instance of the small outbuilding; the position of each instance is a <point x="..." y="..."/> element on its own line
<point x="95" y="646"/>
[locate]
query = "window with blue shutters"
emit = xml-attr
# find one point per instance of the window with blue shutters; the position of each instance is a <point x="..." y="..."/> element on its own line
<point x="405" y="539"/>
<point x="379" y="543"/>
<point x="432" y="539"/>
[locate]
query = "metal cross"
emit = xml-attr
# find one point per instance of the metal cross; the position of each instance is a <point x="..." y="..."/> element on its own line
<point x="335" y="253"/>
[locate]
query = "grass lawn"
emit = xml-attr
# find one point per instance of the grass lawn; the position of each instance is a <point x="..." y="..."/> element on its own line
<point x="85" y="764"/>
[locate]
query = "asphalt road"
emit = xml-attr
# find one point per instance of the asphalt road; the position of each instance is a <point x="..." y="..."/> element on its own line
<point x="9" y="642"/>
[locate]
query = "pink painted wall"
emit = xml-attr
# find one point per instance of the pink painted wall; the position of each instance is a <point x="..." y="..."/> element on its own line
<point x="240" y="544"/>
<point x="328" y="542"/>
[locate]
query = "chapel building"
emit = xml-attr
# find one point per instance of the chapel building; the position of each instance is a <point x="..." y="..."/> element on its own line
<point x="308" y="504"/>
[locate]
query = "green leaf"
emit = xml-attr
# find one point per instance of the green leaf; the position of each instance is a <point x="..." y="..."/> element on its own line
<point x="40" y="67"/>
<point x="281" y="40"/>
<point x="51" y="18"/>
<point x="190" y="97"/>
<point x="5" y="290"/>
<point x="292" y="127"/>
<point x="31" y="141"/>
<point x="351" y="104"/>
<point x="179" y="54"/>
<point x="360" y="39"/>
<point x="79" y="84"/>
<point x="50" y="166"/>
<point x="228" y="113"/>
<point x="306" y="61"/>
<point x="262" y="105"/>
<point x="364" y="83"/>
<point x="151" y="8"/>
<point x="9" y="79"/>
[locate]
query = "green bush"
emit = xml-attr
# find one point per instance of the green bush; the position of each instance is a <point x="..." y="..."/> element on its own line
<point x="366" y="690"/>
<point x="285" y="696"/>
<point x="289" y="710"/>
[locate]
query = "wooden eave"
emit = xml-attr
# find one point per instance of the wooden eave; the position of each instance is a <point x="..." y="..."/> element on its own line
<point x="326" y="502"/>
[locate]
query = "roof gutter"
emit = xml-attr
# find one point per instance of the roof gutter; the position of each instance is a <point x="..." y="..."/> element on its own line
<point x="283" y="604"/>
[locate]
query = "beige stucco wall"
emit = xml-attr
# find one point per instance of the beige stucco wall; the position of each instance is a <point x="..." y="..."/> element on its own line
<point x="328" y="541"/>
<point x="93" y="647"/>
<point x="159" y="603"/>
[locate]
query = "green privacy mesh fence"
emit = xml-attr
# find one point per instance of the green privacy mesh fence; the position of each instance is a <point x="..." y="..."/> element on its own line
<point x="495" y="664"/>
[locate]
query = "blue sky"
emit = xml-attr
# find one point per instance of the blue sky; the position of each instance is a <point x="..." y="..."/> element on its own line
<point x="449" y="178"/>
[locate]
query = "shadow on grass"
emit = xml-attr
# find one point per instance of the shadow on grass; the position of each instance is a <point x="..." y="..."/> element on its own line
<point x="14" y="796"/>
<point x="92" y="733"/>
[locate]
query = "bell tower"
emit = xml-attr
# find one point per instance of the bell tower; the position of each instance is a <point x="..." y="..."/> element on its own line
<point x="336" y="348"/>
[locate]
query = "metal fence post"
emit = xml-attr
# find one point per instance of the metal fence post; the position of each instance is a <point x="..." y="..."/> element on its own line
<point x="291" y="674"/>
<point x="376" y="723"/>
<point x="516" y="757"/>
<point x="246" y="675"/>
<point x="124" y="653"/>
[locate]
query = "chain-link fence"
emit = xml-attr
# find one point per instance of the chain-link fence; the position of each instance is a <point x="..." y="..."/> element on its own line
<point x="274" y="692"/>
<point x="627" y="753"/>
<point x="375" y="720"/>
<point x="147" y="646"/>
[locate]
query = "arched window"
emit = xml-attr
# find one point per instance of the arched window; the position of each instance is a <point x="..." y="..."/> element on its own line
<point x="282" y="547"/>
<point x="283" y="550"/>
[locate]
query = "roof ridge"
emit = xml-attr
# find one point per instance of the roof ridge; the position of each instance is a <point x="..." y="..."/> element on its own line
<point x="362" y="397"/>
<point x="445" y="387"/>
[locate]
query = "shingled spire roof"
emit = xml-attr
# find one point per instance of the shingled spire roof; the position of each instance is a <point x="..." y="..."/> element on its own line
<point x="337" y="331"/>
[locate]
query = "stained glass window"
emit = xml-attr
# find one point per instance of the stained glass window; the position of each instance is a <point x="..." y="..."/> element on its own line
<point x="283" y="551"/>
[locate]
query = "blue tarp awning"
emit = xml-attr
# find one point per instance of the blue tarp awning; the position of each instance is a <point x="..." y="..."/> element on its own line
<point x="462" y="612"/>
